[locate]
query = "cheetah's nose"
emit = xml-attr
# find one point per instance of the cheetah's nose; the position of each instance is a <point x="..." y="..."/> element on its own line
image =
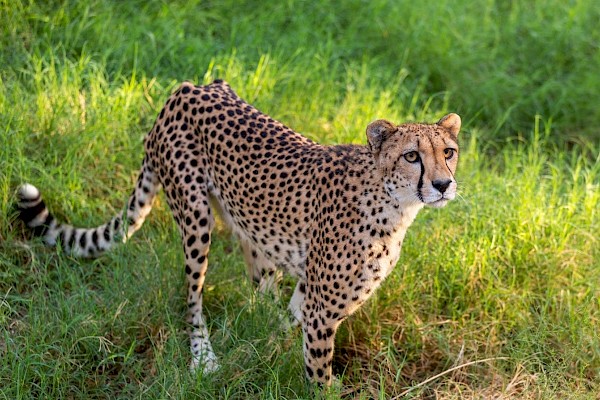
<point x="441" y="184"/>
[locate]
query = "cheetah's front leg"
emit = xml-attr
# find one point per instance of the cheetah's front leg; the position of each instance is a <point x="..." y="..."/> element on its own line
<point x="319" y="336"/>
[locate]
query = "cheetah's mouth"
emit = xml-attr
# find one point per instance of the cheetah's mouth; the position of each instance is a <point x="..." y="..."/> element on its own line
<point x="441" y="202"/>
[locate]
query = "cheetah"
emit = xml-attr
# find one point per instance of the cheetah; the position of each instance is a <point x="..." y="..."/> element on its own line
<point x="334" y="217"/>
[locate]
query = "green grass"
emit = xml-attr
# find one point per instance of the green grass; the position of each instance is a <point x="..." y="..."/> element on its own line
<point x="510" y="271"/>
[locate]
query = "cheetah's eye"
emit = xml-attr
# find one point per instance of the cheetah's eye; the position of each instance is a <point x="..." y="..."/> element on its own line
<point x="448" y="153"/>
<point x="412" y="156"/>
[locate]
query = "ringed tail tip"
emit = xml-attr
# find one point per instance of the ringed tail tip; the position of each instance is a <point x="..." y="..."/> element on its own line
<point x="28" y="192"/>
<point x="32" y="210"/>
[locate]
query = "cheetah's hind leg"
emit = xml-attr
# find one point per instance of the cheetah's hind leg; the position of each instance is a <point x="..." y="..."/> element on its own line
<point x="267" y="277"/>
<point x="195" y="222"/>
<point x="295" y="305"/>
<point x="263" y="272"/>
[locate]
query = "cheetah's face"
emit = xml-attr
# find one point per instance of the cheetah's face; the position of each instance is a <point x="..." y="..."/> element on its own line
<point x="417" y="161"/>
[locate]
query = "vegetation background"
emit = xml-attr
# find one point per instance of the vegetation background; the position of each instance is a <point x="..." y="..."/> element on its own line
<point x="495" y="296"/>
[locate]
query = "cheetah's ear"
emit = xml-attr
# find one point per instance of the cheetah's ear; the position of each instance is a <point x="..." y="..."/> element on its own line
<point x="451" y="122"/>
<point x="378" y="132"/>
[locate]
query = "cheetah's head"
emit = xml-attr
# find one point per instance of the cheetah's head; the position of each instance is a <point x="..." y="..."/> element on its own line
<point x="417" y="161"/>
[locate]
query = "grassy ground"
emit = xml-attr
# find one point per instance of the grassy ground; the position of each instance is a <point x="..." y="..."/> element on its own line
<point x="498" y="293"/>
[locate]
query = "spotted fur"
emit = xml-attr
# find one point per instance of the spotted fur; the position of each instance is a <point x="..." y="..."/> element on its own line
<point x="334" y="217"/>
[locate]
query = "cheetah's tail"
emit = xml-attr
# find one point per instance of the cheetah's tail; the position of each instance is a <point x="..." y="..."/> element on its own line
<point x="90" y="242"/>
